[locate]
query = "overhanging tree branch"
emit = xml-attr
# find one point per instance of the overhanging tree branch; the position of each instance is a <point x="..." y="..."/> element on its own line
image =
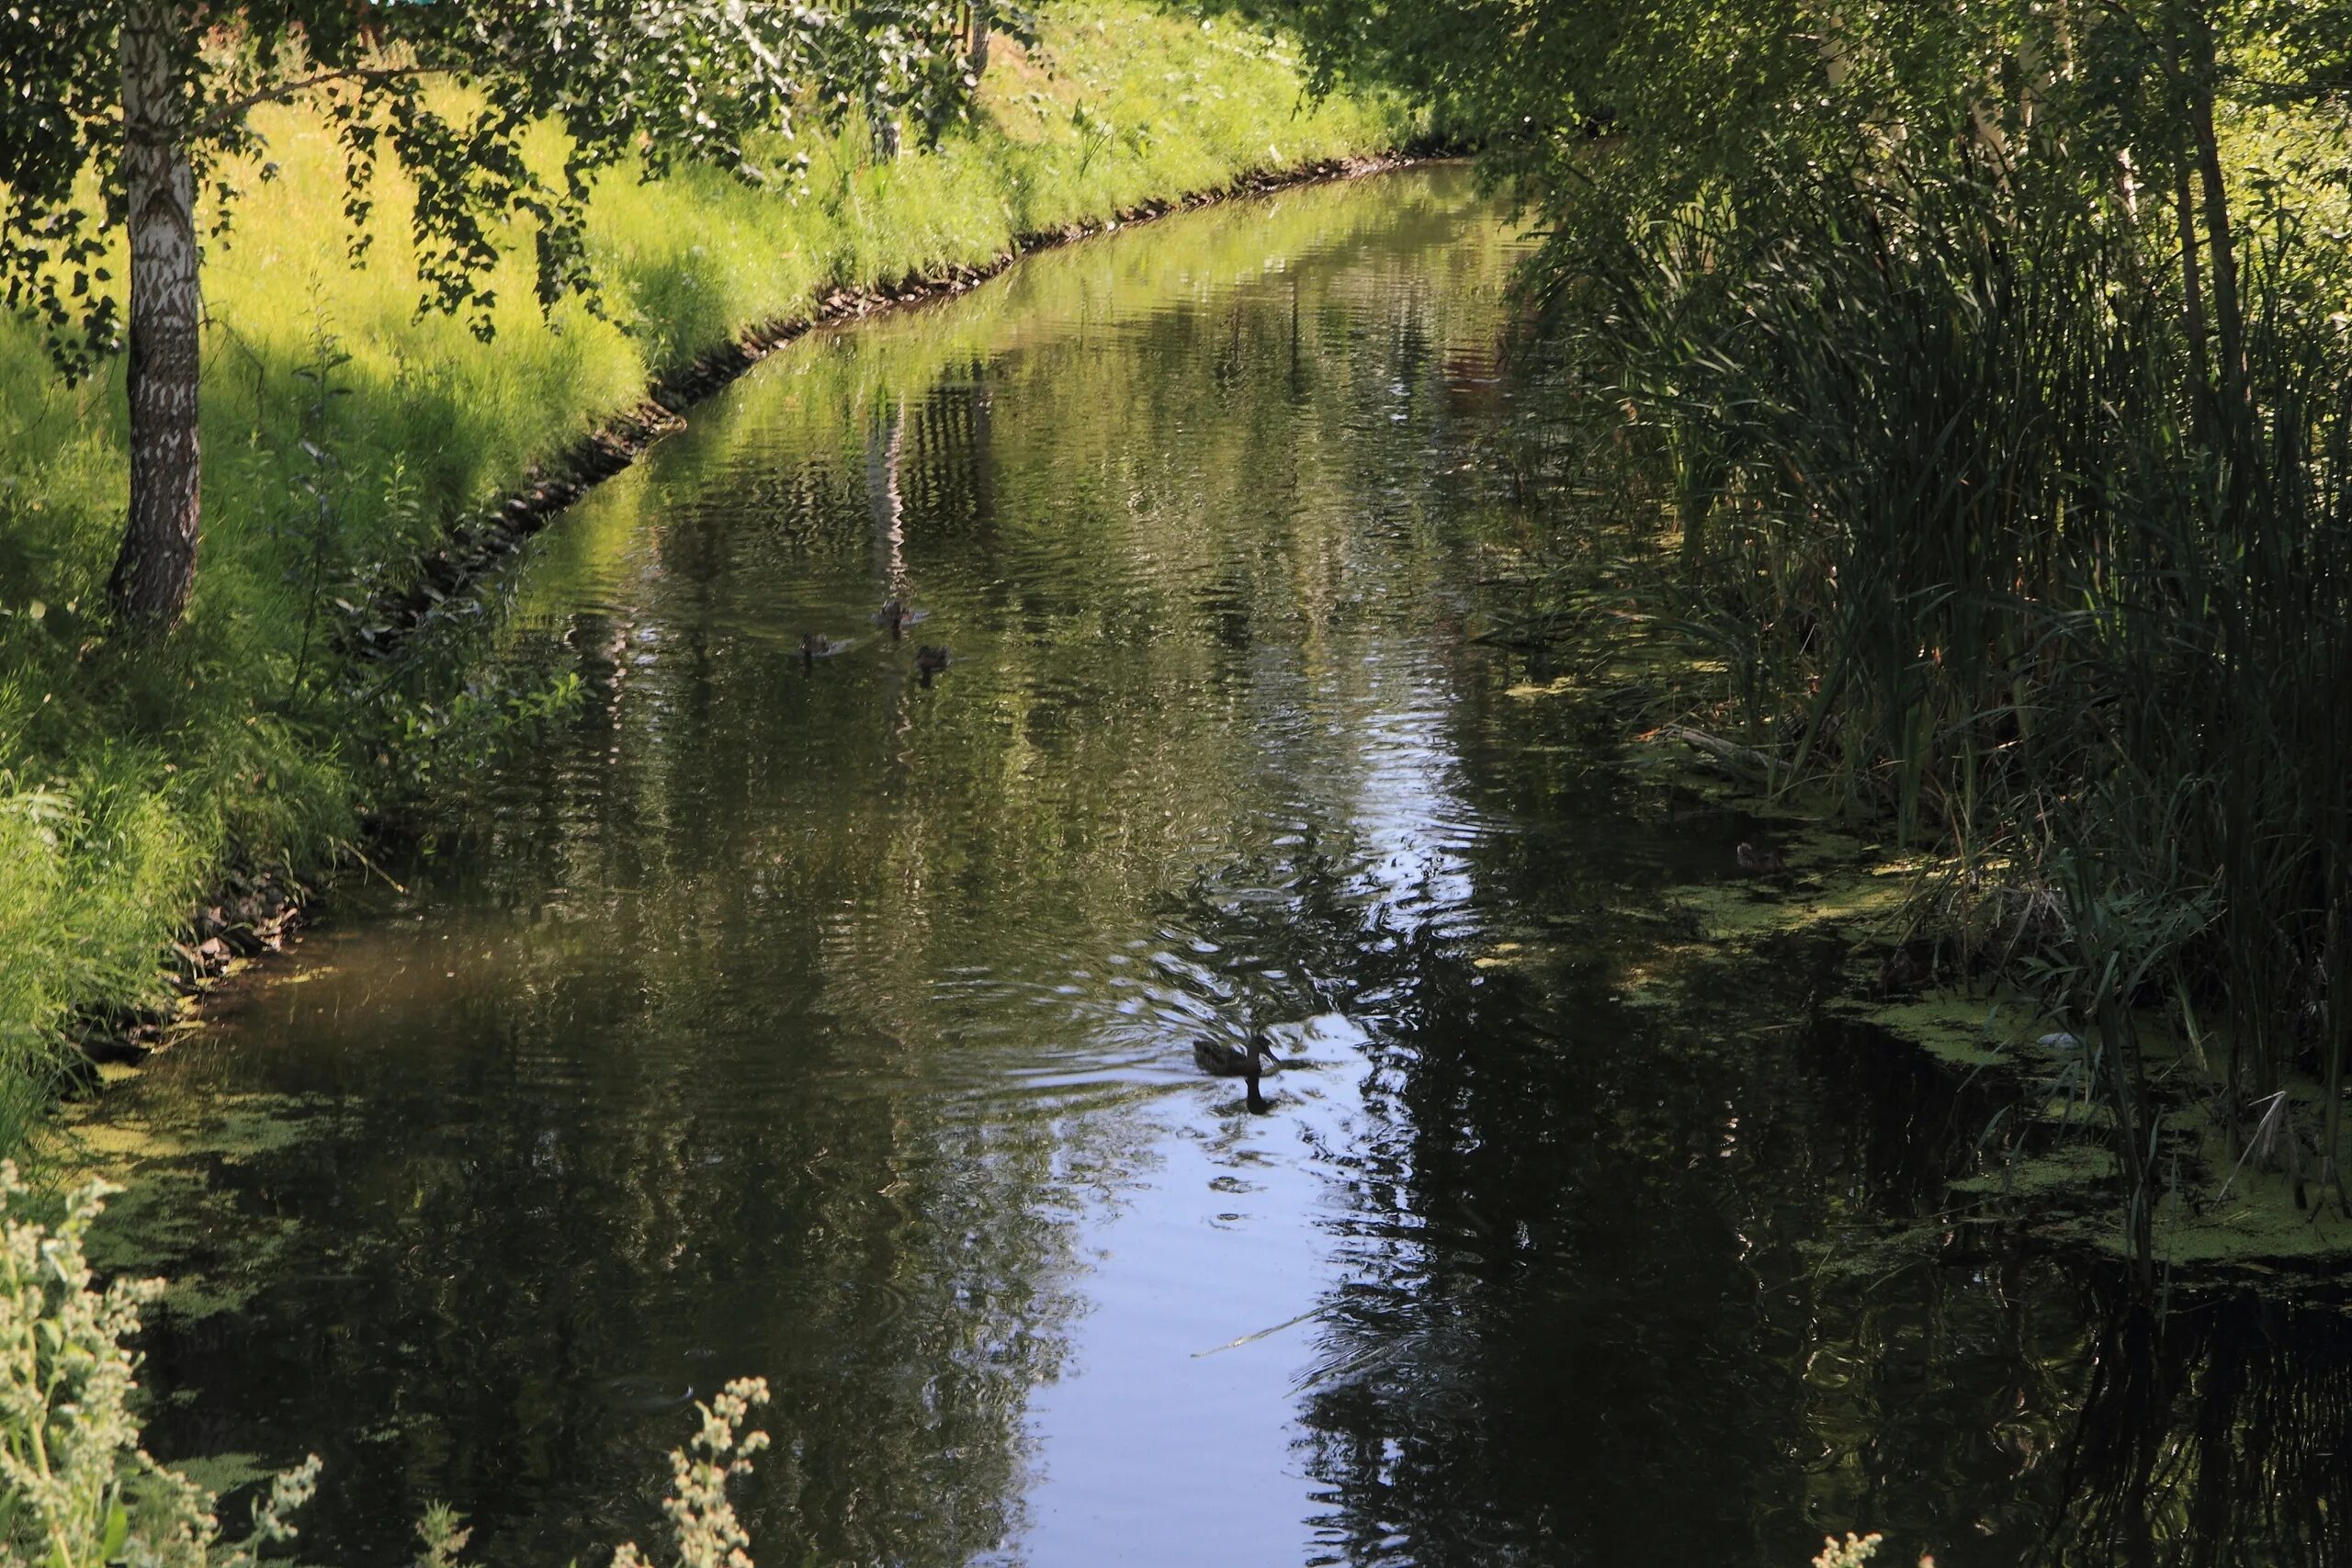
<point x="222" y="116"/>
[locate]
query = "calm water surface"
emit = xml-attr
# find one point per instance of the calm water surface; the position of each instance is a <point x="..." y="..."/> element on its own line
<point x="817" y="1023"/>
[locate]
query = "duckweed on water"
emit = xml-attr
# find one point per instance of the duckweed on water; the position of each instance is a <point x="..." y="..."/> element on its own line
<point x="2218" y="1208"/>
<point x="2050" y="1171"/>
<point x="168" y="1214"/>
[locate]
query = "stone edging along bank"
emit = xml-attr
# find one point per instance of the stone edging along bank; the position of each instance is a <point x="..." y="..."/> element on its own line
<point x="251" y="915"/>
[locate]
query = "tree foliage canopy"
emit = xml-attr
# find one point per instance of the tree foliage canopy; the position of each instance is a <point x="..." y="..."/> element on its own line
<point x="1687" y="95"/>
<point x="653" y="80"/>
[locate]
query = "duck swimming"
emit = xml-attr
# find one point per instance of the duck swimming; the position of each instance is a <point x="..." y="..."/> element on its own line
<point x="814" y="646"/>
<point x="1224" y="1059"/>
<point x="898" y="616"/>
<point x="929" y="662"/>
<point x="1759" y="863"/>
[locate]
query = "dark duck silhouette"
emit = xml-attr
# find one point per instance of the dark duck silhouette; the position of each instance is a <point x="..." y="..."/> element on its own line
<point x="1759" y="863"/>
<point x="1224" y="1059"/>
<point x="814" y="646"/>
<point x="929" y="662"/>
<point x="897" y="616"/>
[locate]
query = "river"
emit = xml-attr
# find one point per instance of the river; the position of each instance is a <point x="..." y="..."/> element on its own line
<point x="801" y="1018"/>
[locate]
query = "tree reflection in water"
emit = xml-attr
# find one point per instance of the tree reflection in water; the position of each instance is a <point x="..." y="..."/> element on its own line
<point x="2218" y="1433"/>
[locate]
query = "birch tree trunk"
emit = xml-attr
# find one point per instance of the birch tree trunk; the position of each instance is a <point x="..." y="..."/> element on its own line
<point x="155" y="569"/>
<point x="882" y="120"/>
<point x="975" y="30"/>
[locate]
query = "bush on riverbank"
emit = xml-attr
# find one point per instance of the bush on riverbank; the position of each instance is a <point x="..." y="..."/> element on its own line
<point x="344" y="432"/>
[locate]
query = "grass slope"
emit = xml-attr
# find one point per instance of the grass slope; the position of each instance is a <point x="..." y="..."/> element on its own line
<point x="131" y="780"/>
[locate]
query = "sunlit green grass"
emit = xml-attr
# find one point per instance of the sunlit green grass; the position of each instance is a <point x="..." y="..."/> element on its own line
<point x="130" y="778"/>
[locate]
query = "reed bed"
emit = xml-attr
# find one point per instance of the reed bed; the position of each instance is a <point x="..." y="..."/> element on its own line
<point x="1992" y="542"/>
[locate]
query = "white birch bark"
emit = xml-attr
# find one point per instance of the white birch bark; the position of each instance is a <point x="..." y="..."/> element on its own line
<point x="155" y="569"/>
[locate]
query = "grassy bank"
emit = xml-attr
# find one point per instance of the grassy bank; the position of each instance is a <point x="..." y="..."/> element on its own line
<point x="344" y="432"/>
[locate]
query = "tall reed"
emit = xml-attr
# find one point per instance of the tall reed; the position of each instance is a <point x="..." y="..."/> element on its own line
<point x="1990" y="551"/>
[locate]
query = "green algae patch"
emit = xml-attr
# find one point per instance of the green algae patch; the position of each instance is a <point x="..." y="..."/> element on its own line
<point x="1702" y="931"/>
<point x="2254" y="1230"/>
<point x="1833" y="888"/>
<point x="112" y="1140"/>
<point x="2058" y="1178"/>
<point x="173" y="1212"/>
<point x="1965" y="1030"/>
<point x="173" y="1223"/>
<point x="2073" y="1170"/>
<point x="2257" y="1220"/>
<point x="2228" y="1208"/>
<point x="2216" y="1209"/>
<point x="1830" y="899"/>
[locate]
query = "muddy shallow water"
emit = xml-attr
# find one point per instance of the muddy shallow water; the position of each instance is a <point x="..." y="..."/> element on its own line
<point x="801" y="1019"/>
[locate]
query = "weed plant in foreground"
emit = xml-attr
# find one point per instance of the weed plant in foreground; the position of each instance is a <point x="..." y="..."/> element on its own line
<point x="344" y="431"/>
<point x="81" y="1491"/>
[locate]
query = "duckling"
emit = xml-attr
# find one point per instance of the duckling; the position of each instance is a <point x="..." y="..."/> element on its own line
<point x="814" y="646"/>
<point x="898" y="616"/>
<point x="1760" y="863"/>
<point x="1901" y="971"/>
<point x="929" y="662"/>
